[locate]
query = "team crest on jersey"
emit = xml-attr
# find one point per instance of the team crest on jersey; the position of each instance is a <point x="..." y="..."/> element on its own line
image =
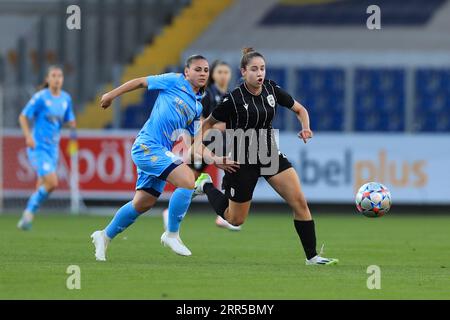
<point x="271" y="100"/>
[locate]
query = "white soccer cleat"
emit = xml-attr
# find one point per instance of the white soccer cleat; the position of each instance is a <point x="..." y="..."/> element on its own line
<point x="201" y="180"/>
<point x="174" y="242"/>
<point x="26" y="221"/>
<point x="165" y="215"/>
<point x="222" y="223"/>
<point x="100" y="242"/>
<point x="319" y="260"/>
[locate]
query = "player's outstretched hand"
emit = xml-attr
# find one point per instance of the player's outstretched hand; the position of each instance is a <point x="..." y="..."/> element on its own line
<point x="305" y="134"/>
<point x="226" y="164"/>
<point x="106" y="100"/>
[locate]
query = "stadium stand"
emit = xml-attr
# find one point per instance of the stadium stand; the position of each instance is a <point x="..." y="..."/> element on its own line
<point x="156" y="57"/>
<point x="348" y="13"/>
<point x="350" y="78"/>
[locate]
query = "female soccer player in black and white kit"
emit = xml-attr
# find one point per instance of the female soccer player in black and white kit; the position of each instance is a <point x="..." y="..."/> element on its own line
<point x="252" y="105"/>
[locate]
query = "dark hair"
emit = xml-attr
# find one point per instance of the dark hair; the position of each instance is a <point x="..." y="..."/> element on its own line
<point x="214" y="65"/>
<point x="44" y="84"/>
<point x="247" y="55"/>
<point x="193" y="58"/>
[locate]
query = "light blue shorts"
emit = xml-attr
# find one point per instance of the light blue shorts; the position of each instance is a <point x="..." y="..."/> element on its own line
<point x="154" y="163"/>
<point x="42" y="161"/>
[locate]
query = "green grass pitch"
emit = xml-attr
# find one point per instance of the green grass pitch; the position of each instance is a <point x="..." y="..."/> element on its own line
<point x="263" y="261"/>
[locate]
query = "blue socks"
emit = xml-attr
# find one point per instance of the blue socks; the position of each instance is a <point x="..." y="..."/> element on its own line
<point x="178" y="206"/>
<point x="124" y="217"/>
<point x="36" y="199"/>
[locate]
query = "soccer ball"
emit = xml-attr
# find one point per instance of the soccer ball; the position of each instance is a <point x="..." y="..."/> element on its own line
<point x="373" y="200"/>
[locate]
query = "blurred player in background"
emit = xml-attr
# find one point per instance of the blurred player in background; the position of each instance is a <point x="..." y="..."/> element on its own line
<point x="218" y="86"/>
<point x="49" y="109"/>
<point x="252" y="107"/>
<point x="177" y="108"/>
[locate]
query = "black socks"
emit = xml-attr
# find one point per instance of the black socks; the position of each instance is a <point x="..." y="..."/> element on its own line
<point x="216" y="198"/>
<point x="307" y="233"/>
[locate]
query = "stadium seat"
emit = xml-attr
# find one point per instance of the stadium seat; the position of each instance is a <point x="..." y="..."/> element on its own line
<point x="432" y="101"/>
<point x="379" y="100"/>
<point x="321" y="90"/>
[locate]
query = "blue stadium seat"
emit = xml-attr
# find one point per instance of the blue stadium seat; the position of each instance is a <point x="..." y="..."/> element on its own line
<point x="278" y="75"/>
<point x="432" y="100"/>
<point x="321" y="91"/>
<point x="134" y="117"/>
<point x="379" y="99"/>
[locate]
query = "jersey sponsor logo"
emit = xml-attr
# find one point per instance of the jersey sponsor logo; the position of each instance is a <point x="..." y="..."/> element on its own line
<point x="232" y="192"/>
<point x="246" y="106"/>
<point x="182" y="108"/>
<point x="271" y="100"/>
<point x="48" y="103"/>
<point x="65" y="105"/>
<point x="225" y="100"/>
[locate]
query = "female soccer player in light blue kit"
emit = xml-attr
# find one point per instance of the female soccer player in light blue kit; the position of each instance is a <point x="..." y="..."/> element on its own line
<point x="49" y="108"/>
<point x="178" y="107"/>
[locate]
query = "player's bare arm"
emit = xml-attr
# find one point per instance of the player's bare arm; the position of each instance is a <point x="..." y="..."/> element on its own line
<point x="29" y="141"/>
<point x="303" y="117"/>
<point x="223" y="163"/>
<point x="128" y="86"/>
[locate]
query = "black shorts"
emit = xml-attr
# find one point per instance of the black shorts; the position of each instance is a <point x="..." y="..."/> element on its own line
<point x="239" y="185"/>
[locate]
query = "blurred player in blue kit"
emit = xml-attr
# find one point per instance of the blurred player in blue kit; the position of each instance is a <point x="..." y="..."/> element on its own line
<point x="49" y="109"/>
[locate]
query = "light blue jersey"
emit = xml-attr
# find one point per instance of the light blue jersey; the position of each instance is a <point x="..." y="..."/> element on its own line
<point x="177" y="108"/>
<point x="49" y="113"/>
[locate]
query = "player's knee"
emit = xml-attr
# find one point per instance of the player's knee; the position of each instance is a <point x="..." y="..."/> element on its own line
<point x="300" y="202"/>
<point x="142" y="206"/>
<point x="188" y="182"/>
<point x="51" y="185"/>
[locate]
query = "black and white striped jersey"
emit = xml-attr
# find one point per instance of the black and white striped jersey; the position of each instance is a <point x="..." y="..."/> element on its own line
<point x="240" y="109"/>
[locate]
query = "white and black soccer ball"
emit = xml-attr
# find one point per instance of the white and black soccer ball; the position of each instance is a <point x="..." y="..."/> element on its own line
<point x="373" y="200"/>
